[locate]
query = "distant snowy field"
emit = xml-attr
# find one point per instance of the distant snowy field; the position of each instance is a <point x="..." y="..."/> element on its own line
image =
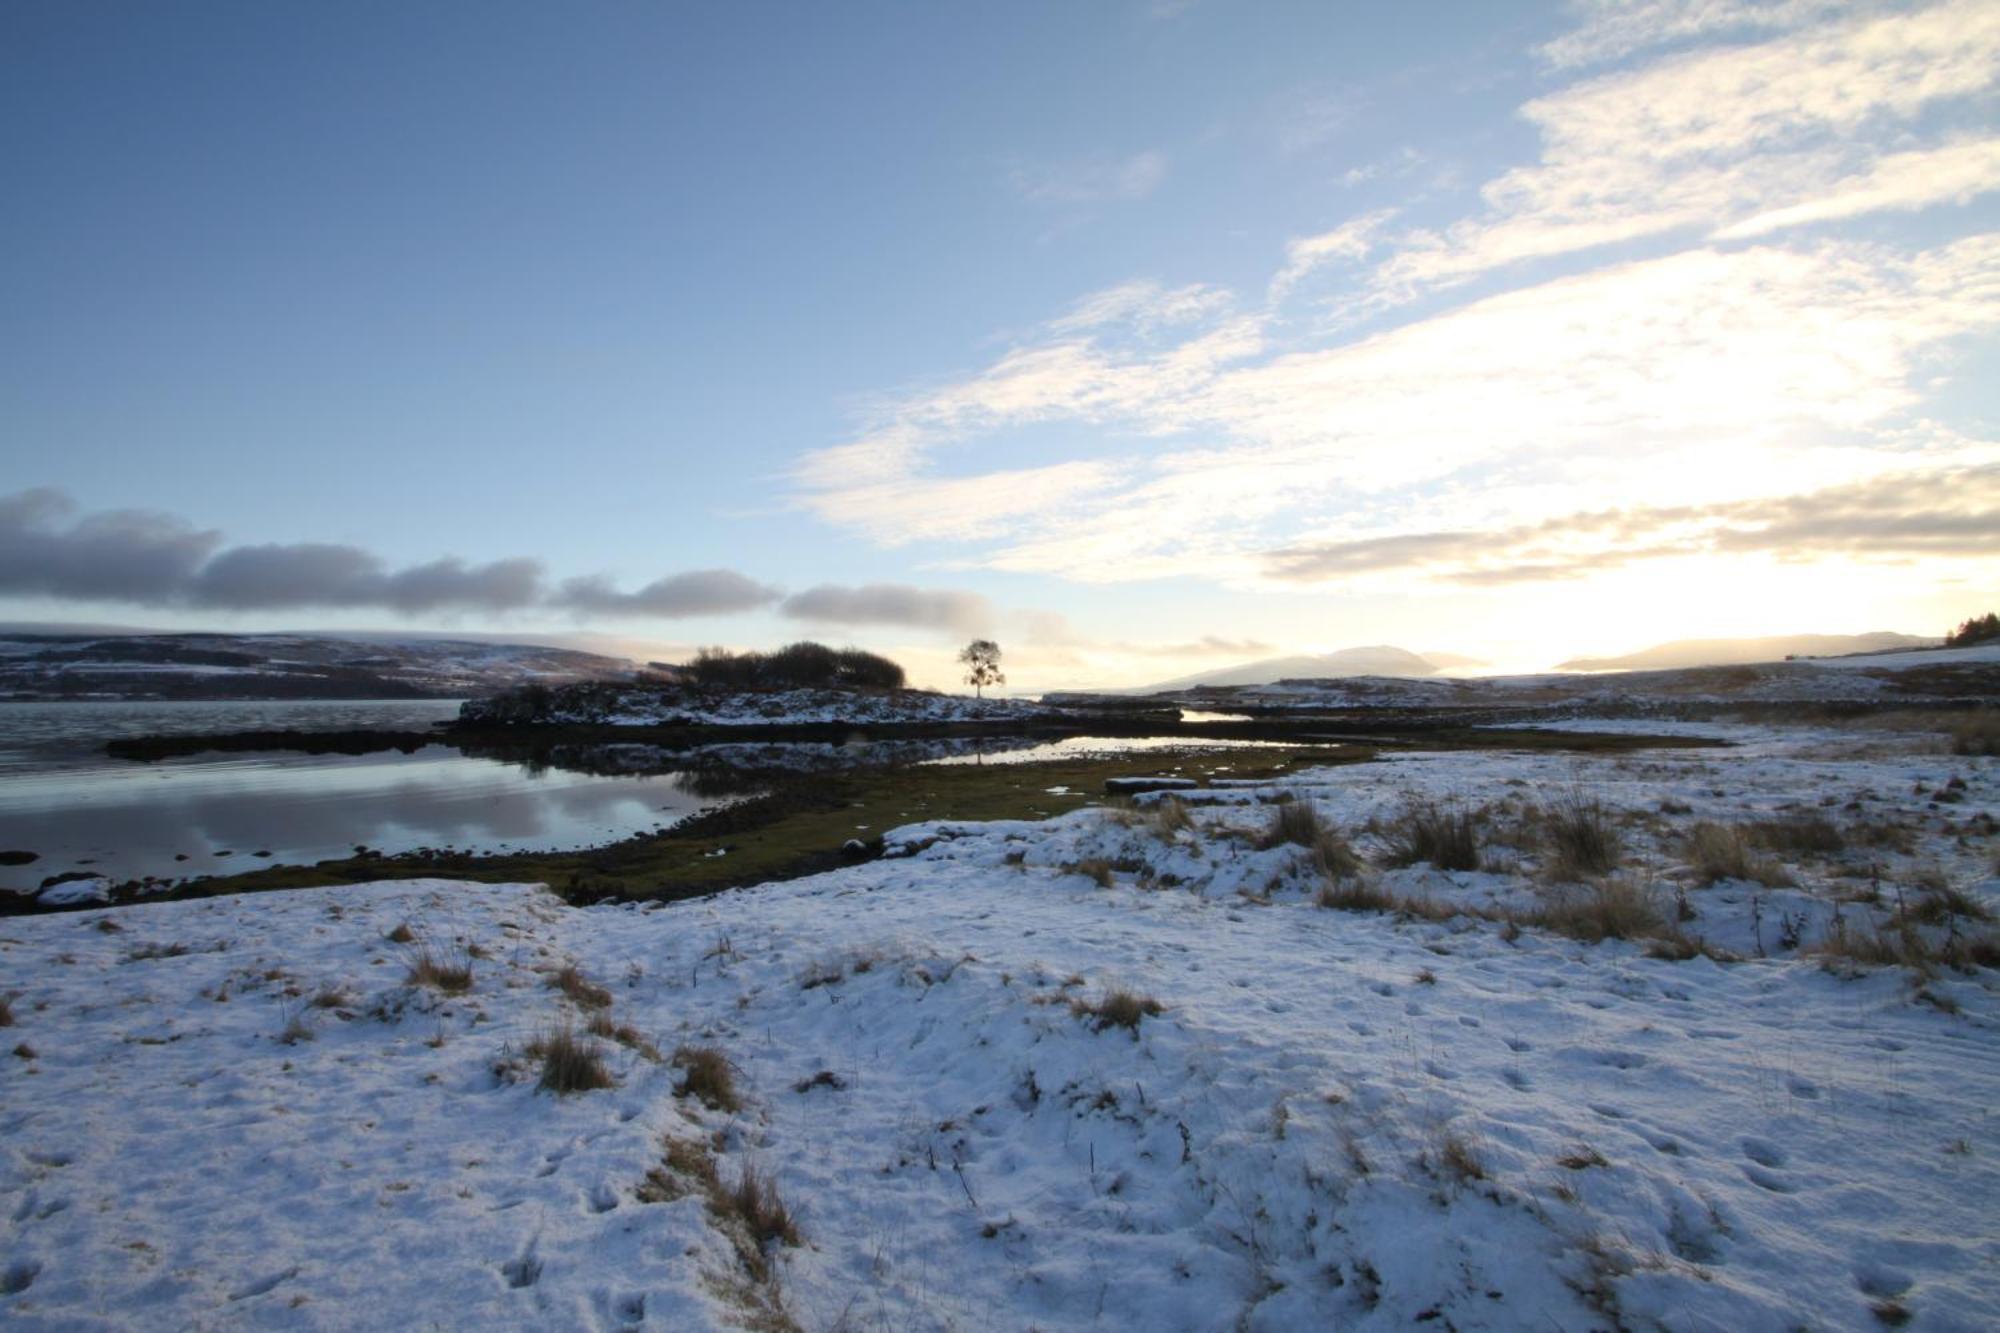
<point x="1337" y="1119"/>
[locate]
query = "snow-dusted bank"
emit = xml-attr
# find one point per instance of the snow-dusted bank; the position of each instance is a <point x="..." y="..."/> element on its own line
<point x="1122" y="1069"/>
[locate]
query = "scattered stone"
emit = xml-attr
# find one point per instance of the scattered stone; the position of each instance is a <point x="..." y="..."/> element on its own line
<point x="19" y="858"/>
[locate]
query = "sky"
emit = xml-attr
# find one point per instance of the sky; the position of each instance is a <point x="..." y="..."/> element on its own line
<point x="1141" y="337"/>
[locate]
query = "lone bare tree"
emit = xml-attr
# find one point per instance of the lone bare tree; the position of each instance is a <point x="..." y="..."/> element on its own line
<point x="981" y="658"/>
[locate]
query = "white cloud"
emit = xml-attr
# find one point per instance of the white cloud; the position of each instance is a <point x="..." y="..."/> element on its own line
<point x="1352" y="240"/>
<point x="1710" y="139"/>
<point x="1612" y="29"/>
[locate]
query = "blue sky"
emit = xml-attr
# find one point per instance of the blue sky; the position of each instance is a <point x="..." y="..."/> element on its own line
<point x="1141" y="336"/>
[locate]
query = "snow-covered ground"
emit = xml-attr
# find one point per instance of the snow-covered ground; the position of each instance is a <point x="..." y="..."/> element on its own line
<point x="1337" y="1118"/>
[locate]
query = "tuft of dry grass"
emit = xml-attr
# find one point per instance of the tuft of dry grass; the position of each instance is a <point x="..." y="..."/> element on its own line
<point x="402" y="934"/>
<point x="600" y="1025"/>
<point x="579" y="988"/>
<point x="1976" y="733"/>
<point x="1445" y="834"/>
<point x="1809" y="833"/>
<point x="570" y="1063"/>
<point x="1454" y="1155"/>
<point x="1614" y="909"/>
<point x="296" y="1028"/>
<point x="1293" y="821"/>
<point x="1581" y="1159"/>
<point x="450" y="973"/>
<point x="1716" y="852"/>
<point x="1585" y="839"/>
<point x="1167" y="817"/>
<point x="331" y="997"/>
<point x="1355" y="895"/>
<point x="1094" y="868"/>
<point x="750" y="1212"/>
<point x="1942" y="903"/>
<point x="1119" y="1008"/>
<point x="6" y="1011"/>
<point x="706" y="1076"/>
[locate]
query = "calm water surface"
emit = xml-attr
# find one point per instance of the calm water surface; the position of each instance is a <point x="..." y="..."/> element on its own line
<point x="61" y="797"/>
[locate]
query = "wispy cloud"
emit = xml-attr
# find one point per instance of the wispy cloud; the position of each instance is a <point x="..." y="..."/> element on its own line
<point x="1089" y="181"/>
<point x="891" y="604"/>
<point x="1706" y="140"/>
<point x="1954" y="513"/>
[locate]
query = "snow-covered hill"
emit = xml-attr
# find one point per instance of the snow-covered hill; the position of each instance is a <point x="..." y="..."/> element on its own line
<point x="279" y="666"/>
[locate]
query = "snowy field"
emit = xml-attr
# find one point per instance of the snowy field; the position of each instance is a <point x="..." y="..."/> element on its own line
<point x="1431" y="1103"/>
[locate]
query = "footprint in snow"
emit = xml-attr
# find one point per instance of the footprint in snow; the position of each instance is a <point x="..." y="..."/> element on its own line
<point x="1467" y="1021"/>
<point x="1609" y="1112"/>
<point x="603" y="1198"/>
<point x="263" y="1285"/>
<point x="1517" y="1044"/>
<point x="1382" y="988"/>
<point x="1804" y="1087"/>
<point x="1769" y="1180"/>
<point x="1764" y="1153"/>
<point x="1516" y="1079"/>
<point x="1361" y="1029"/>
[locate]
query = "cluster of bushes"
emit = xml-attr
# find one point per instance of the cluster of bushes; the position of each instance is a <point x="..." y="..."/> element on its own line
<point x="804" y="665"/>
<point x="1979" y="629"/>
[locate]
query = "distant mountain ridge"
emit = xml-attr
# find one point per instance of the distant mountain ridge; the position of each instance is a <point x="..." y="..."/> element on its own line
<point x="1378" y="660"/>
<point x="1738" y="652"/>
<point x="56" y="666"/>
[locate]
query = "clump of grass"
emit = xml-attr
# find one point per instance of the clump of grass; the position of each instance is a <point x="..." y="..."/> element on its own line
<point x="402" y="934"/>
<point x="1976" y="733"/>
<point x="1425" y="977"/>
<point x="1581" y="1159"/>
<point x="450" y="973"/>
<point x="1119" y="1008"/>
<point x="570" y="1063"/>
<point x="1454" y="1155"/>
<point x="579" y="988"/>
<point x="1094" y="868"/>
<point x="142" y="953"/>
<point x="6" y="1011"/>
<point x="25" y="1051"/>
<point x="756" y="1203"/>
<point x="706" y="1075"/>
<point x="1943" y="902"/>
<point x="600" y="1025"/>
<point x="1614" y="910"/>
<point x="296" y="1028"/>
<point x="1585" y="838"/>
<point x="1293" y="821"/>
<point x="1354" y="895"/>
<point x="1444" y="834"/>
<point x="1167" y="817"/>
<point x="1806" y="834"/>
<point x="330" y="997"/>
<point x="751" y="1212"/>
<point x="1717" y="852"/>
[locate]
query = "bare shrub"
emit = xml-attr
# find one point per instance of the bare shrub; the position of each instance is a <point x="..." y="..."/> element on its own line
<point x="1717" y="852"/>
<point x="1444" y="834"/>
<point x="706" y="1076"/>
<point x="1614" y="909"/>
<point x="1585" y="839"/>
<point x="450" y="972"/>
<point x="1119" y="1008"/>
<point x="570" y="1063"/>
<point x="579" y="988"/>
